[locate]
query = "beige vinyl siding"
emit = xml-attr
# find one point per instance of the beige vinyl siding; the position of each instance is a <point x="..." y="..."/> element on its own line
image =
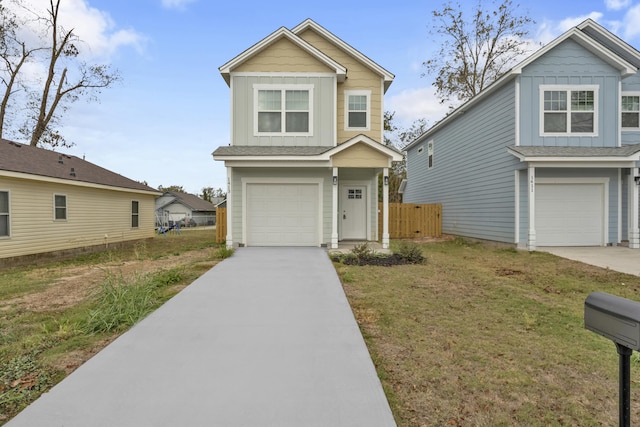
<point x="360" y="156"/>
<point x="359" y="77"/>
<point x="283" y="56"/>
<point x="94" y="217"/>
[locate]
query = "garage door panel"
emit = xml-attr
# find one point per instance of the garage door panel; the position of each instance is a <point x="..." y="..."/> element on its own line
<point x="570" y="214"/>
<point x="282" y="215"/>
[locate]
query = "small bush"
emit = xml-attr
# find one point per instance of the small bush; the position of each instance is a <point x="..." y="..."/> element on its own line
<point x="362" y="251"/>
<point x="410" y="252"/>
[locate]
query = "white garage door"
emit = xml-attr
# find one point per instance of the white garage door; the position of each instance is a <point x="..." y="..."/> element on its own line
<point x="282" y="215"/>
<point x="570" y="214"/>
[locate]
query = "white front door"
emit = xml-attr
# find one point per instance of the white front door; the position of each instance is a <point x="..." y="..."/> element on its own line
<point x="353" y="213"/>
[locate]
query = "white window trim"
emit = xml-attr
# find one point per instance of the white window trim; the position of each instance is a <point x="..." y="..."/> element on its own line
<point x="137" y="214"/>
<point x="8" y="214"/>
<point x="430" y="150"/>
<point x="66" y="207"/>
<point x="348" y="93"/>
<point x="629" y="93"/>
<point x="282" y="88"/>
<point x="569" y="88"/>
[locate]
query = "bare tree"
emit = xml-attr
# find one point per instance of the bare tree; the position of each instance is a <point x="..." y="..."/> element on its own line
<point x="474" y="54"/>
<point x="60" y="87"/>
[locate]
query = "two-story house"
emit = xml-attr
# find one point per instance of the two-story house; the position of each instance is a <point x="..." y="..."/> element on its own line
<point x="306" y="142"/>
<point x="548" y="155"/>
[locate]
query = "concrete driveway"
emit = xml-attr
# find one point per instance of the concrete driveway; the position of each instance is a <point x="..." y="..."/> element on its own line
<point x="265" y="338"/>
<point x="617" y="258"/>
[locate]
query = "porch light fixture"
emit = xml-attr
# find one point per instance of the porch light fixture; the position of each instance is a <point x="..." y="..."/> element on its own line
<point x="637" y="179"/>
<point x="386" y="180"/>
<point x="335" y="180"/>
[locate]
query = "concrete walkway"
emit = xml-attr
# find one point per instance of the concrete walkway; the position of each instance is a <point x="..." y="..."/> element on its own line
<point x="265" y="338"/>
<point x="616" y="258"/>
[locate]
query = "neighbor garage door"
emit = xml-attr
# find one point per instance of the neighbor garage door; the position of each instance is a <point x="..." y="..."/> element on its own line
<point x="282" y="215"/>
<point x="570" y="214"/>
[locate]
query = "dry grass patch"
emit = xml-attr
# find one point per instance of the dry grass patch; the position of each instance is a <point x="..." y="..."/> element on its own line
<point x="485" y="336"/>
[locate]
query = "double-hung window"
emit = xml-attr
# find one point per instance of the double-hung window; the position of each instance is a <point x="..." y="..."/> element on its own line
<point x="357" y="109"/>
<point x="631" y="110"/>
<point x="569" y="110"/>
<point x="4" y="214"/>
<point x="283" y="109"/>
<point x="135" y="214"/>
<point x="59" y="207"/>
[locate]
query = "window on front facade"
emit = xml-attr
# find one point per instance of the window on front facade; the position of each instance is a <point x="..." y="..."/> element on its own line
<point x="569" y="111"/>
<point x="283" y="110"/>
<point x="4" y="213"/>
<point x="357" y="109"/>
<point x="134" y="214"/>
<point x="631" y="111"/>
<point x="60" y="207"/>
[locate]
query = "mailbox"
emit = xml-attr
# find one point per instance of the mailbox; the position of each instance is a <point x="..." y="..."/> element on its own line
<point x="613" y="317"/>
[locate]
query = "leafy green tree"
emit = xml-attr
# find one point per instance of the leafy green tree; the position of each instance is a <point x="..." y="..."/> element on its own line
<point x="477" y="51"/>
<point x="208" y="193"/>
<point x="177" y="188"/>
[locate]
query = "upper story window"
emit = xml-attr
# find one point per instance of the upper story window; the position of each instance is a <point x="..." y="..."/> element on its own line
<point x="60" y="207"/>
<point x="135" y="214"/>
<point x="569" y="110"/>
<point x="631" y="110"/>
<point x="357" y="109"/>
<point x="283" y="109"/>
<point x="4" y="214"/>
<point x="430" y="154"/>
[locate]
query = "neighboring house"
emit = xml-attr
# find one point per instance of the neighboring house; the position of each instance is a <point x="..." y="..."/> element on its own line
<point x="306" y="142"/>
<point x="548" y="155"/>
<point x="174" y="206"/>
<point x="52" y="202"/>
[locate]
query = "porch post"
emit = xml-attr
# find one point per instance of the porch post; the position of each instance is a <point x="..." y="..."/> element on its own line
<point x="531" y="182"/>
<point x="229" y="237"/>
<point x="634" y="218"/>
<point x="334" y="211"/>
<point x="385" y="209"/>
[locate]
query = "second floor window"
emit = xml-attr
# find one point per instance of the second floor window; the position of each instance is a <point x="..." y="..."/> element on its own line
<point x="357" y="109"/>
<point x="284" y="110"/>
<point x="631" y="111"/>
<point x="569" y="111"/>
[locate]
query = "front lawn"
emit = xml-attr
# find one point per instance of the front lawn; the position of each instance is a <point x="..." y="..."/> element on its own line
<point x="483" y="335"/>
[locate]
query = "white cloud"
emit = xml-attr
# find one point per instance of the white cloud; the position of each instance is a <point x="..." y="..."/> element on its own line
<point x="95" y="28"/>
<point x="176" y="4"/>
<point x="413" y="104"/>
<point x="617" y="4"/>
<point x="630" y="28"/>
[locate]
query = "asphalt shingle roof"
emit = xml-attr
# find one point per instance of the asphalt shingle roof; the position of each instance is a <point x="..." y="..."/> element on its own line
<point x="15" y="157"/>
<point x="624" y="151"/>
<point x="192" y="201"/>
<point x="245" y="150"/>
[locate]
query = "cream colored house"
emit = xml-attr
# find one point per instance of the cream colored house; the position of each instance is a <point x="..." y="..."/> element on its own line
<point x="306" y="142"/>
<point x="52" y="202"/>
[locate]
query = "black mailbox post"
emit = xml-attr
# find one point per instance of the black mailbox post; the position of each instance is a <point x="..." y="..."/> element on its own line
<point x="618" y="319"/>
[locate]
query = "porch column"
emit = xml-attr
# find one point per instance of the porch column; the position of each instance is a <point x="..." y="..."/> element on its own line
<point x="229" y="237"/>
<point x="531" y="180"/>
<point x="334" y="211"/>
<point x="385" y="208"/>
<point x="634" y="217"/>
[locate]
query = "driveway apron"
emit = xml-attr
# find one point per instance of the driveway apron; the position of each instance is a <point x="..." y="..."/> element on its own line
<point x="265" y="338"/>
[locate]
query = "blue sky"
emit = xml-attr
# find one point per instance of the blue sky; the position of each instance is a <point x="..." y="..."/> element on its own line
<point x="163" y="121"/>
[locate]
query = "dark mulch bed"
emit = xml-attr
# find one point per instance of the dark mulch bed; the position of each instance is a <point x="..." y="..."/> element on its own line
<point x="378" y="260"/>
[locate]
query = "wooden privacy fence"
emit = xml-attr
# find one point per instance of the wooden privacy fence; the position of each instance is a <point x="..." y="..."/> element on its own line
<point x="408" y="220"/>
<point x="221" y="225"/>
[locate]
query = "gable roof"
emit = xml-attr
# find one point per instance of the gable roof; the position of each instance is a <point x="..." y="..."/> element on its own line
<point x="191" y="201"/>
<point x="533" y="153"/>
<point x="18" y="158"/>
<point x="281" y="33"/>
<point x="588" y="34"/>
<point x="310" y="24"/>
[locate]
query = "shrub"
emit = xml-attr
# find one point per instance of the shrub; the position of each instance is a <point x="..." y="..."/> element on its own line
<point x="410" y="252"/>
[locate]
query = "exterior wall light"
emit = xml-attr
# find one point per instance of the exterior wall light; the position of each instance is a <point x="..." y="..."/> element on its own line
<point x="335" y="180"/>
<point x="386" y="180"/>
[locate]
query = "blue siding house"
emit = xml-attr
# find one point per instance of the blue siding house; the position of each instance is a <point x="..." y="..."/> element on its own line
<point x="548" y="155"/>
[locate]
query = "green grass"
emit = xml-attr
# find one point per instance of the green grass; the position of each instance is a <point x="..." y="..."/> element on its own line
<point x="481" y="335"/>
<point x="43" y="337"/>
